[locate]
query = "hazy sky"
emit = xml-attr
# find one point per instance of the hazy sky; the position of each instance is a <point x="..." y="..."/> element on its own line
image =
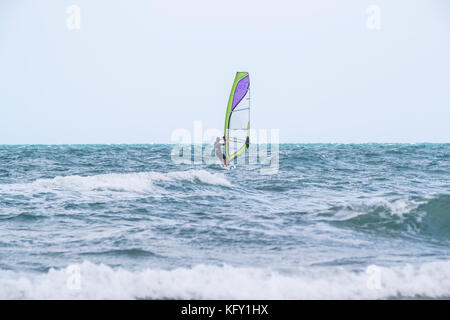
<point x="139" y="69"/>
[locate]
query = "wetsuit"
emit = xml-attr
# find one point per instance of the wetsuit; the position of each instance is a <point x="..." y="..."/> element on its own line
<point x="218" y="149"/>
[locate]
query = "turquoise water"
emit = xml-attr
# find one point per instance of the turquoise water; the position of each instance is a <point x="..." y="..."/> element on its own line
<point x="133" y="224"/>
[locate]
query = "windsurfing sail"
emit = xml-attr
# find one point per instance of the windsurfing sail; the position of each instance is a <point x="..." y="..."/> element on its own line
<point x="237" y="117"/>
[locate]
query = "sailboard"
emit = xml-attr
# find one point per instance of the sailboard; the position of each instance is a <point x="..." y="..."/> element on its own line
<point x="237" y="118"/>
<point x="228" y="167"/>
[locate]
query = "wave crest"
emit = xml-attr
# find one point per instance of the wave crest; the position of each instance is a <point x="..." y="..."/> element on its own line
<point x="430" y="216"/>
<point x="92" y="281"/>
<point x="118" y="182"/>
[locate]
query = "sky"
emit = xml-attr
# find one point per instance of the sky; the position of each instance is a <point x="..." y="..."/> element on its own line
<point x="137" y="70"/>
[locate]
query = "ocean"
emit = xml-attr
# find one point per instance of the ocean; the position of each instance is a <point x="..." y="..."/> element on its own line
<point x="336" y="221"/>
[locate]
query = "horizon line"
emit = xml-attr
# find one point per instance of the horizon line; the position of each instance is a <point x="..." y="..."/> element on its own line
<point x="171" y="143"/>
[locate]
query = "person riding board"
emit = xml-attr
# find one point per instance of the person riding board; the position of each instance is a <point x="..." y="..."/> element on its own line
<point x="218" y="148"/>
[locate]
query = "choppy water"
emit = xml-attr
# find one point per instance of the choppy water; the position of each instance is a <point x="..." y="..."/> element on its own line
<point x="133" y="224"/>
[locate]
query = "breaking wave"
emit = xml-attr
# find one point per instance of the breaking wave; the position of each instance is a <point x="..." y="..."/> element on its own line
<point x="430" y="216"/>
<point x="93" y="281"/>
<point x="118" y="182"/>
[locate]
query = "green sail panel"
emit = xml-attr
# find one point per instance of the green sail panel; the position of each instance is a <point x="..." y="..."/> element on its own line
<point x="237" y="117"/>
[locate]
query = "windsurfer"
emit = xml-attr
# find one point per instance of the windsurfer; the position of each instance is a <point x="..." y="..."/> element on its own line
<point x="218" y="148"/>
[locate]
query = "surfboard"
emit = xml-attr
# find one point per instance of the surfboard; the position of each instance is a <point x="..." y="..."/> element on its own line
<point x="237" y="118"/>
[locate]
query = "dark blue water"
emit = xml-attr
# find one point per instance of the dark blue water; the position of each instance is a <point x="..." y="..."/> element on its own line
<point x="125" y="221"/>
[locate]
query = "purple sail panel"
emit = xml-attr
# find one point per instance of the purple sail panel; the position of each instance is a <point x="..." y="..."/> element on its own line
<point x="241" y="90"/>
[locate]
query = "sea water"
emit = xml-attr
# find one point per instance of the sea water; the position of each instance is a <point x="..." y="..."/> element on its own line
<point x="335" y="221"/>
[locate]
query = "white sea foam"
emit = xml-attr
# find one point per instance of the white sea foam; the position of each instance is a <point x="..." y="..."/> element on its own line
<point x="117" y="182"/>
<point x="397" y="208"/>
<point x="215" y="282"/>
